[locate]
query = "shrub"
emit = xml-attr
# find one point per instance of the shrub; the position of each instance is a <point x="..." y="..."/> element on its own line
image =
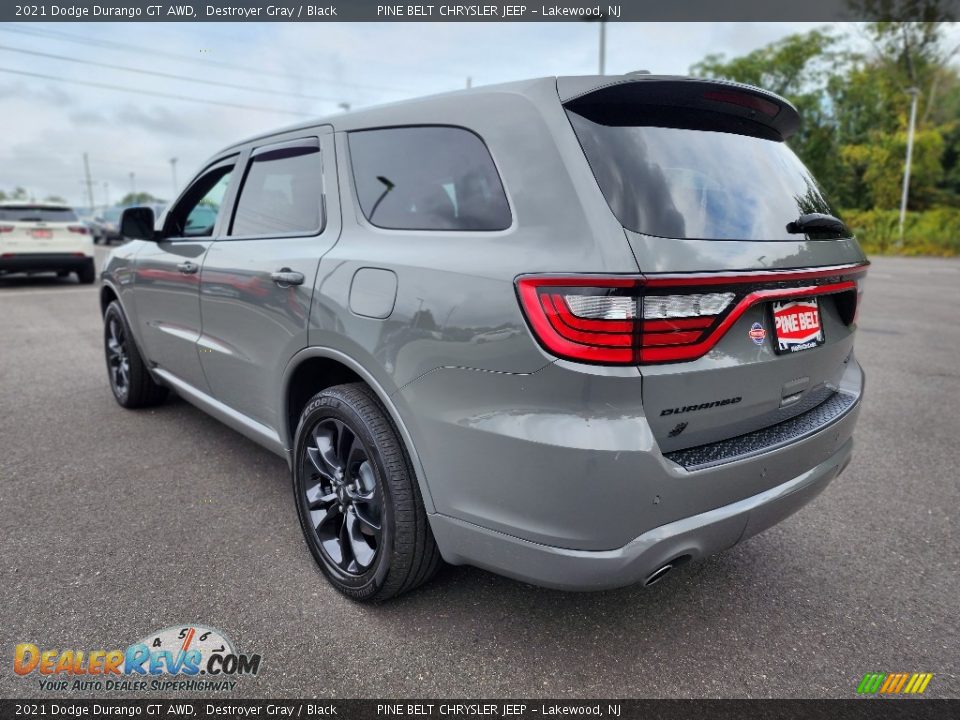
<point x="930" y="232"/>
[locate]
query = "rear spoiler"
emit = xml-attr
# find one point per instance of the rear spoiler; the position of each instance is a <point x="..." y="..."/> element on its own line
<point x="687" y="101"/>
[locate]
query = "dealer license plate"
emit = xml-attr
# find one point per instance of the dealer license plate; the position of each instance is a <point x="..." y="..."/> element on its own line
<point x="797" y="325"/>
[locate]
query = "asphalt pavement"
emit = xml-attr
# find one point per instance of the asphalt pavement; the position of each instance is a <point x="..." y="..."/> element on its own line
<point x="114" y="524"/>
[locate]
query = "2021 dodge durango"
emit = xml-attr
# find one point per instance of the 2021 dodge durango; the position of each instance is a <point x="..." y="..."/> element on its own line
<point x="572" y="330"/>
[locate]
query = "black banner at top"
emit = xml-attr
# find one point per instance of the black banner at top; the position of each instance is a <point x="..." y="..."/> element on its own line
<point x="463" y="11"/>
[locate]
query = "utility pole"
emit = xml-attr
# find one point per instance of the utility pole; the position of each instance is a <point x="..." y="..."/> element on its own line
<point x="133" y="183"/>
<point x="106" y="194"/>
<point x="603" y="45"/>
<point x="913" y="92"/>
<point x="602" y="20"/>
<point x="87" y="181"/>
<point x="469" y="82"/>
<point x="173" y="171"/>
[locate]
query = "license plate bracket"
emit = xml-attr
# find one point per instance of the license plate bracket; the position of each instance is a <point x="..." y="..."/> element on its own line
<point x="797" y="325"/>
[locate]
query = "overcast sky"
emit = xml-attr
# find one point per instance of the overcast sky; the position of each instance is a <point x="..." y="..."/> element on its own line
<point x="48" y="124"/>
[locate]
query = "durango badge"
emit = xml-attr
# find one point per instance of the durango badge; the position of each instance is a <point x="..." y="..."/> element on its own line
<point x="757" y="333"/>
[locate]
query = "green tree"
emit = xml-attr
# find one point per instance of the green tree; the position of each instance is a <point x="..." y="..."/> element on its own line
<point x="855" y="105"/>
<point x="138" y="198"/>
<point x="798" y="67"/>
<point x="55" y="199"/>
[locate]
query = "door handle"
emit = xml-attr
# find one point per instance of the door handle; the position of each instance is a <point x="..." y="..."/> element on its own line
<point x="285" y="277"/>
<point x="187" y="268"/>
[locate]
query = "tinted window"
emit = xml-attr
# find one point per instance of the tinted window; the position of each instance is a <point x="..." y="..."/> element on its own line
<point x="35" y="213"/>
<point x="281" y="194"/>
<point x="196" y="214"/>
<point x="427" y="178"/>
<point x="698" y="183"/>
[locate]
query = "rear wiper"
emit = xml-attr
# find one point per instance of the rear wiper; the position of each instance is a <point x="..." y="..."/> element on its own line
<point x="817" y="223"/>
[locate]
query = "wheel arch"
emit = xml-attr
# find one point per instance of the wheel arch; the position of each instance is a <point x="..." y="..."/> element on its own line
<point x="108" y="294"/>
<point x="300" y="382"/>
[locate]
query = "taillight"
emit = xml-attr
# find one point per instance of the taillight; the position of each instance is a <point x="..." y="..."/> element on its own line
<point x="635" y="320"/>
<point x="79" y="229"/>
<point x="587" y="319"/>
<point x="6" y="228"/>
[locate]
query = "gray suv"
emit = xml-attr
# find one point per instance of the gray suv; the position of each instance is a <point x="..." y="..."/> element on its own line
<point x="573" y="330"/>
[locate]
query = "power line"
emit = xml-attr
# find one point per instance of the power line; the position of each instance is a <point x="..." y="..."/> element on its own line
<point x="114" y="45"/>
<point x="170" y="76"/>
<point x="167" y="96"/>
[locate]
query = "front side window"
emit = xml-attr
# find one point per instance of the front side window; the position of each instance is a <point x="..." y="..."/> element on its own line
<point x="282" y="193"/>
<point x="196" y="214"/>
<point x="427" y="178"/>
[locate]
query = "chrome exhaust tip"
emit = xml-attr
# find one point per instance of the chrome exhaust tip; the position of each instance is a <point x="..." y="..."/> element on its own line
<point x="657" y="575"/>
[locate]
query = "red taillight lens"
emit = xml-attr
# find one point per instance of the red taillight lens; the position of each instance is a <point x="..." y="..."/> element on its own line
<point x="586" y="319"/>
<point x="658" y="319"/>
<point x="6" y="228"/>
<point x="79" y="229"/>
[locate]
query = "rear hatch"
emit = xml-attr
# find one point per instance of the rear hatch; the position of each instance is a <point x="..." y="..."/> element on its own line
<point x="750" y="286"/>
<point x="39" y="229"/>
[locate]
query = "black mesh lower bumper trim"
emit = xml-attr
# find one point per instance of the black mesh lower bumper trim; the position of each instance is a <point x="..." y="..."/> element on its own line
<point x="767" y="438"/>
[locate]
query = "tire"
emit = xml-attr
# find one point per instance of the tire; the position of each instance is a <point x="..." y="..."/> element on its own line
<point x="357" y="499"/>
<point x="87" y="275"/>
<point x="130" y="380"/>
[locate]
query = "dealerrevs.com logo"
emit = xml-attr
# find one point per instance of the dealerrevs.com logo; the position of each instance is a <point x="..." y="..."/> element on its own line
<point x="184" y="658"/>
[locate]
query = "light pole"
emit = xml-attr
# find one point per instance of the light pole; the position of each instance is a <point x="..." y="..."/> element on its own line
<point x="603" y="45"/>
<point x="133" y="183"/>
<point x="913" y="92"/>
<point x="602" y="19"/>
<point x="173" y="173"/>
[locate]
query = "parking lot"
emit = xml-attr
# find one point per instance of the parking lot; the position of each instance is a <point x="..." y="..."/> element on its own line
<point x="114" y="524"/>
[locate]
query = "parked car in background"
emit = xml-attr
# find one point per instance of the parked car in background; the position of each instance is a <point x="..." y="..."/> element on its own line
<point x="110" y="224"/>
<point x="44" y="237"/>
<point x="574" y="330"/>
<point x="95" y="226"/>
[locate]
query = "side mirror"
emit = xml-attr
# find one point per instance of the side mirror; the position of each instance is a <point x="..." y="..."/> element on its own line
<point x="137" y="223"/>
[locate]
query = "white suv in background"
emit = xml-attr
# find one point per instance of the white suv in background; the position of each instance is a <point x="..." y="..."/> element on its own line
<point x="44" y="237"/>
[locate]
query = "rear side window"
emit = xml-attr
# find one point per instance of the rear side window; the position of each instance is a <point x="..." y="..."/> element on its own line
<point x="427" y="178"/>
<point x="282" y="192"/>
<point x="35" y="213"/>
<point x="695" y="181"/>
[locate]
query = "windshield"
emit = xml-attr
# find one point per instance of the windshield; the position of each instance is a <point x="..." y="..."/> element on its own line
<point x="37" y="213"/>
<point x="698" y="183"/>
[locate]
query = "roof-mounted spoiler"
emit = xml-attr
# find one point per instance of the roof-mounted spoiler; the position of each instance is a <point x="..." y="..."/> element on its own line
<point x="620" y="98"/>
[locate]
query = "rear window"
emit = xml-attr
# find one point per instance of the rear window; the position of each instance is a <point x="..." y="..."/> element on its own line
<point x="34" y="213"/>
<point x="281" y="193"/>
<point x="697" y="183"/>
<point x="427" y="178"/>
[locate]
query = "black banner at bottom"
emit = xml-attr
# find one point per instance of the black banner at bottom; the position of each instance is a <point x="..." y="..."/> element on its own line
<point x="867" y="709"/>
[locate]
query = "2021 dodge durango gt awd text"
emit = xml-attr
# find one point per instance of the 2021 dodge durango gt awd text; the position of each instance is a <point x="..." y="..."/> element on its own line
<point x="573" y="330"/>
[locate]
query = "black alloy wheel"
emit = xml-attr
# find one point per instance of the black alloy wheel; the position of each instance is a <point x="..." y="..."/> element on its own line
<point x="357" y="497"/>
<point x="130" y="380"/>
<point x="342" y="496"/>
<point x="118" y="361"/>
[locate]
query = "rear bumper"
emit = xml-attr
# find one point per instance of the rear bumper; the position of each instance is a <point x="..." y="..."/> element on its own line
<point x="43" y="262"/>
<point x="689" y="538"/>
